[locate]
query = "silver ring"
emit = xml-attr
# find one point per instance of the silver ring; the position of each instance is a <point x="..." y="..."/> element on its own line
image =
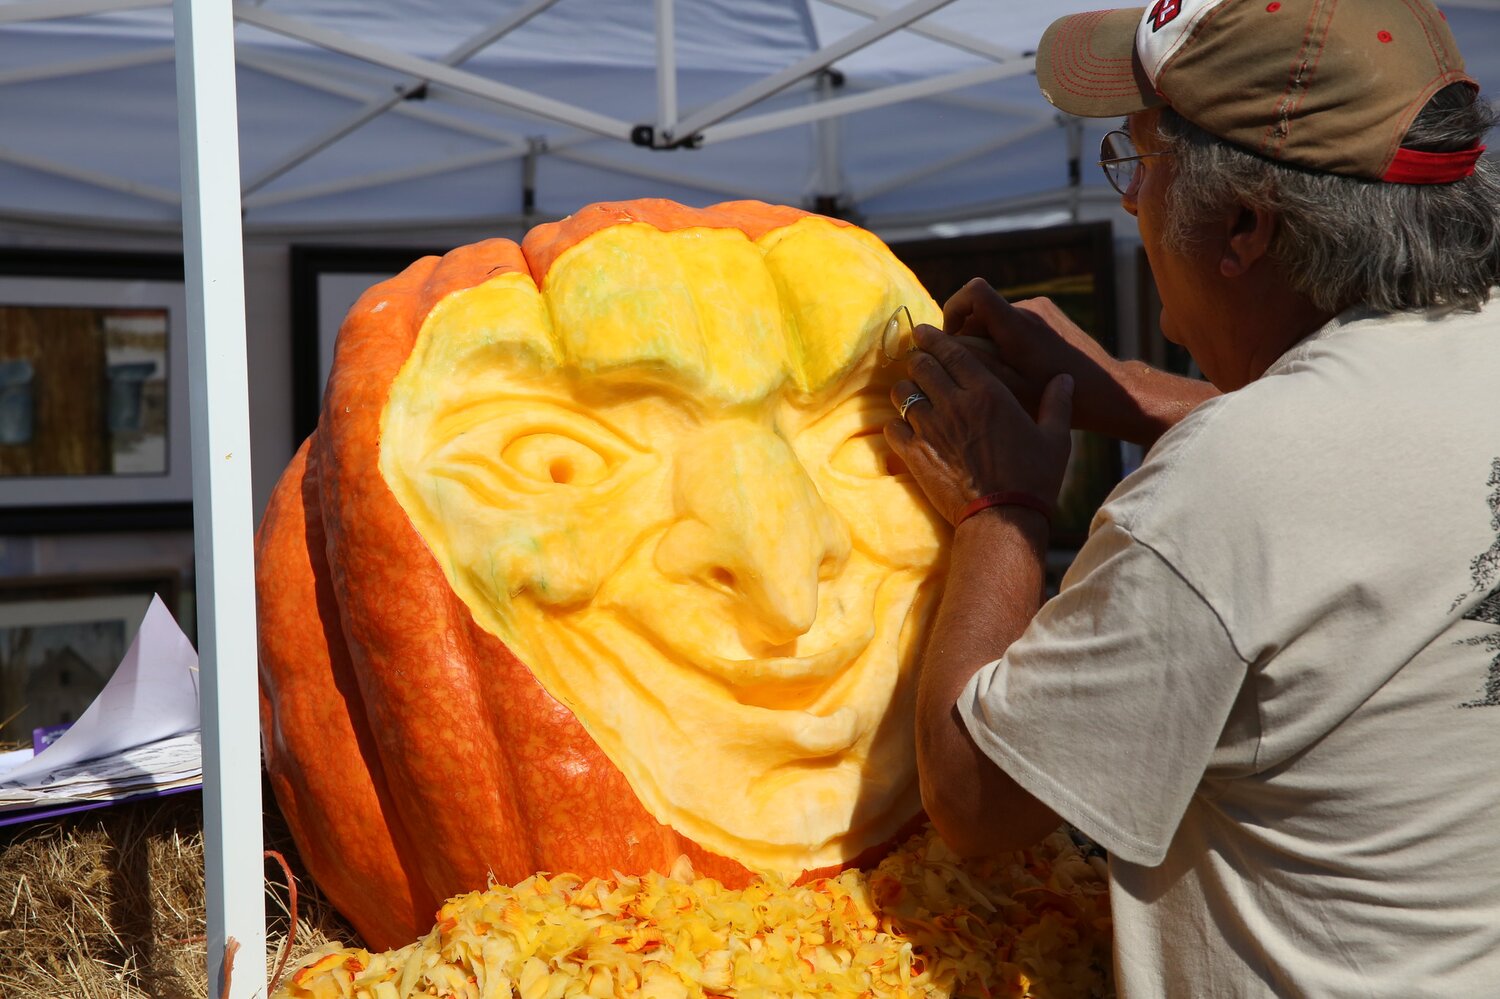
<point x="909" y="402"/>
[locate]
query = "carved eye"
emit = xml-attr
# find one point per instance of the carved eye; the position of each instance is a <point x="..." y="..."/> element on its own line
<point x="505" y="449"/>
<point x="867" y="455"/>
<point x="556" y="458"/>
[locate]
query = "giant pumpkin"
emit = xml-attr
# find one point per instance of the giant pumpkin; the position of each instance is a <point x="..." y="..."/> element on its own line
<point x="597" y="558"/>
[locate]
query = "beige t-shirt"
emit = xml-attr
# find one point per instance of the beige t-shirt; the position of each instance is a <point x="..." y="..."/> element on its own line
<point x="1270" y="684"/>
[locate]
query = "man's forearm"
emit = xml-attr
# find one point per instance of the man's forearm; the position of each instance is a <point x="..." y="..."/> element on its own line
<point x="994" y="587"/>
<point x="1156" y="401"/>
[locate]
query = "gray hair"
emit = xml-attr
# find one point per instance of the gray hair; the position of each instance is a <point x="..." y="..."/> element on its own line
<point x="1346" y="241"/>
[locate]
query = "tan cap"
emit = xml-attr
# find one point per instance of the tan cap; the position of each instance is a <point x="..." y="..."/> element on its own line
<point x="1330" y="85"/>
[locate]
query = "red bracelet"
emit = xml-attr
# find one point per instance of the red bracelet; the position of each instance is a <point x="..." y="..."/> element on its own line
<point x="1026" y="500"/>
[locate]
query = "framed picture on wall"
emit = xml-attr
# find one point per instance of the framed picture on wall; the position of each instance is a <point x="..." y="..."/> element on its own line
<point x="61" y="639"/>
<point x="325" y="282"/>
<point x="93" y="391"/>
<point x="1074" y="266"/>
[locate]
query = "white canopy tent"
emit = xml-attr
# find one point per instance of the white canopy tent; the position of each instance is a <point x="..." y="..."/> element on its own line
<point x="407" y="115"/>
<point x="411" y="116"/>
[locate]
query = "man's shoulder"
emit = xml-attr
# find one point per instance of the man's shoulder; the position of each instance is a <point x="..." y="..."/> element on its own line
<point x="1363" y="391"/>
<point x="1216" y="459"/>
<point x="1355" y="427"/>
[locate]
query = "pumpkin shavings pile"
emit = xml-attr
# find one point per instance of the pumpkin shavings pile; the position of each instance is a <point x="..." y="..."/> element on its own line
<point x="922" y="924"/>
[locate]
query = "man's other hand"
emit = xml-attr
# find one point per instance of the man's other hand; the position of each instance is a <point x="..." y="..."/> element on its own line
<point x="1034" y="342"/>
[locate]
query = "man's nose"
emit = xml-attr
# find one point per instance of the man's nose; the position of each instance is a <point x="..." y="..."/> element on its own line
<point x="750" y="523"/>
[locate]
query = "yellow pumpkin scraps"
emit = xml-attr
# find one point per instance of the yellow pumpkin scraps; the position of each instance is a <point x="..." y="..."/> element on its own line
<point x="922" y="924"/>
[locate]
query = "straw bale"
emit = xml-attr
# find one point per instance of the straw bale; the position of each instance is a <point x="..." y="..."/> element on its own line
<point x="109" y="904"/>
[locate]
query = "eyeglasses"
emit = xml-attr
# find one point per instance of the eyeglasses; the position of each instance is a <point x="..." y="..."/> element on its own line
<point x="1120" y="161"/>
<point x="898" y="339"/>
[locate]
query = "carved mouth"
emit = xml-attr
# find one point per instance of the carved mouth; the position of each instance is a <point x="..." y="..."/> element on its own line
<point x="777" y="682"/>
<point x="785" y="681"/>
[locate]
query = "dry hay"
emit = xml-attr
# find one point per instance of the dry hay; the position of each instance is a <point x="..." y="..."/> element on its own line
<point x="108" y="904"/>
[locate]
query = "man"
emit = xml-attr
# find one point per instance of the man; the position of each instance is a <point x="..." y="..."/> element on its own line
<point x="1270" y="684"/>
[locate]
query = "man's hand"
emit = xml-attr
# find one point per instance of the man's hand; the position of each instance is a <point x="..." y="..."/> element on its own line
<point x="968" y="436"/>
<point x="1035" y="342"/>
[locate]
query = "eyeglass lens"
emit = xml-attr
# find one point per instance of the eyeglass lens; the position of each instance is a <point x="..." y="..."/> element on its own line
<point x="1117" y="155"/>
<point x="897" y="339"/>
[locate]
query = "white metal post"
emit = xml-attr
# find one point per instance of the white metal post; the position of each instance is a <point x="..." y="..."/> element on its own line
<point x="223" y="514"/>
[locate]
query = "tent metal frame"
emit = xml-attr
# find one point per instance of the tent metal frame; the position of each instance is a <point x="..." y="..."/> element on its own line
<point x="670" y="127"/>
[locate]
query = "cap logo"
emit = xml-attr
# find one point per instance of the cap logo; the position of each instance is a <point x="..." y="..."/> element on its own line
<point x="1165" y="27"/>
<point x="1163" y="13"/>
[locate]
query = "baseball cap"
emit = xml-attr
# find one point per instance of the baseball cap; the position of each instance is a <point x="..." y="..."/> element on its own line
<point x="1328" y="85"/>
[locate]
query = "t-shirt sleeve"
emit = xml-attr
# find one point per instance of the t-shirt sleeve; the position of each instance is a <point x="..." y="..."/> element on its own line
<point x="1110" y="705"/>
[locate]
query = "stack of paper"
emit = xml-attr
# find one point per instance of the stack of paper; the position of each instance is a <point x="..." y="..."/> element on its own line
<point x="140" y="736"/>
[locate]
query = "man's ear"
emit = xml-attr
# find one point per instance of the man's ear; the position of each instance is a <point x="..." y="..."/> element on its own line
<point x="1248" y="233"/>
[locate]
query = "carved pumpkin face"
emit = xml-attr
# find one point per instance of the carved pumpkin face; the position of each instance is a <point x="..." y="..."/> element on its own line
<point x="597" y="558"/>
<point x="662" y="483"/>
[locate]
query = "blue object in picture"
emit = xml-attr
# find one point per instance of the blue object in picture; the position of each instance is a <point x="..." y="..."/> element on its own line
<point x="16" y="405"/>
<point x="45" y="736"/>
<point x="125" y="384"/>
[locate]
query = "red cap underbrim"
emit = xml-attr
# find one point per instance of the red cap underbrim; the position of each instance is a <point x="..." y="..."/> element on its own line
<point x="1412" y="166"/>
<point x="1086" y="65"/>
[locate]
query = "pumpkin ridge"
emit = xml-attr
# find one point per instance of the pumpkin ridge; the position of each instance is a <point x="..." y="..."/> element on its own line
<point x="306" y="707"/>
<point x="399" y="624"/>
<point x="545" y="243"/>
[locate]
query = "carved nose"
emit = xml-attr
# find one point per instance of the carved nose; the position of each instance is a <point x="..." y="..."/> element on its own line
<point x="752" y="525"/>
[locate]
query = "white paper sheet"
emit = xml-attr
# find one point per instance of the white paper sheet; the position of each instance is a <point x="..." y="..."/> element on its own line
<point x="151" y="696"/>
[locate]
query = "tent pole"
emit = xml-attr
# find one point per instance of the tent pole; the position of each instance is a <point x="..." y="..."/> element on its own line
<point x="873" y="98"/>
<point x="49" y="10"/>
<point x="485" y="157"/>
<point x="1074" y="129"/>
<point x="223" y="515"/>
<point x="103" y="181"/>
<point x="829" y="193"/>
<point x="666" y="70"/>
<point x="702" y="182"/>
<point x="82" y="67"/>
<point x="412" y="84"/>
<point x="936" y="32"/>
<point x="867" y="194"/>
<point x="535" y="146"/>
<point x="805" y="67"/>
<point x="435" y="72"/>
<point x="416" y="110"/>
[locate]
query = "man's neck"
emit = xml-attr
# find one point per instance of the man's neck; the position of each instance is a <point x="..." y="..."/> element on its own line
<point x="1267" y="318"/>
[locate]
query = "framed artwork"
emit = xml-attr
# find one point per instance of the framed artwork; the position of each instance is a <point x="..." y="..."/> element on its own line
<point x="326" y="281"/>
<point x="1074" y="266"/>
<point x="1154" y="348"/>
<point x="61" y="640"/>
<point x="93" y="392"/>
